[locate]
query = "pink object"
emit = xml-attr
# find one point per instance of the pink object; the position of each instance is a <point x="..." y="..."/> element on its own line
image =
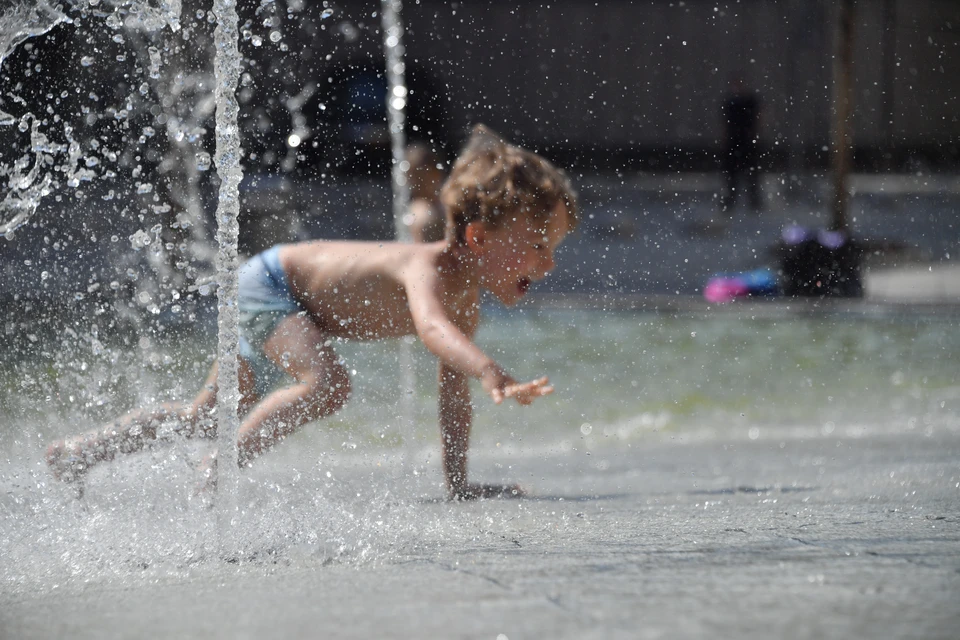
<point x="720" y="290"/>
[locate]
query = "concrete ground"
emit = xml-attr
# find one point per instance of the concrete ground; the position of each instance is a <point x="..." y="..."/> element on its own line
<point x="818" y="538"/>
<point x="914" y="284"/>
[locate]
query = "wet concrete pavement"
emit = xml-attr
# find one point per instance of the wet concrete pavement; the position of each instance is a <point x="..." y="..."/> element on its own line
<point x="795" y="538"/>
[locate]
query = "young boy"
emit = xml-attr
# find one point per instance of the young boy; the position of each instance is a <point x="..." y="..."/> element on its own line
<point x="507" y="211"/>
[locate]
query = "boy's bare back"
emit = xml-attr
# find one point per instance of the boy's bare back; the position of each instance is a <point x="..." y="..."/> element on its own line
<point x="364" y="290"/>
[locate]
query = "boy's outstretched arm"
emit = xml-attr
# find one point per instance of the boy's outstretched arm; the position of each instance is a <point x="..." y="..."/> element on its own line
<point x="455" y="349"/>
<point x="456" y="414"/>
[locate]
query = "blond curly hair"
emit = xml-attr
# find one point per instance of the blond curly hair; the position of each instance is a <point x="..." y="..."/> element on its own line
<point x="492" y="181"/>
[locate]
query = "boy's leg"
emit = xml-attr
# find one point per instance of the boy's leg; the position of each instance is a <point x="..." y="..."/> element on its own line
<point x="69" y="459"/>
<point x="322" y="386"/>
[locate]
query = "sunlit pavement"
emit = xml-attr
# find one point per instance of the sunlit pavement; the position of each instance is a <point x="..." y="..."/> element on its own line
<point x="847" y="537"/>
<point x="915" y="284"/>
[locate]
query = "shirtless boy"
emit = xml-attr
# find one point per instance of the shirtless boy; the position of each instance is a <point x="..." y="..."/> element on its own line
<point x="507" y="212"/>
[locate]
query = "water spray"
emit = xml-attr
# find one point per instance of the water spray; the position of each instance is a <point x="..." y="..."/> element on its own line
<point x="227" y="72"/>
<point x="396" y="115"/>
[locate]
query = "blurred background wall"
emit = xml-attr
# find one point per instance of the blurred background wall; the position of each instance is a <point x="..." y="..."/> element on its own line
<point x="610" y="85"/>
<point x="642" y="82"/>
<point x="621" y="85"/>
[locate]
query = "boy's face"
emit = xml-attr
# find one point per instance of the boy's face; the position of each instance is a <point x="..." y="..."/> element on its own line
<point x="520" y="252"/>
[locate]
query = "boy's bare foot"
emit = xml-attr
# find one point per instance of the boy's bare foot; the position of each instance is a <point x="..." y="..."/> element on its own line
<point x="67" y="460"/>
<point x="486" y="491"/>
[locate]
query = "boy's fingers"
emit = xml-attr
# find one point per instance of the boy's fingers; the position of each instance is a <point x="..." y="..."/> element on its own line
<point x="524" y="387"/>
<point x="526" y="393"/>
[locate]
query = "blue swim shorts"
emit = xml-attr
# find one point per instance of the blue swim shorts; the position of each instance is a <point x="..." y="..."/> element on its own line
<point x="265" y="300"/>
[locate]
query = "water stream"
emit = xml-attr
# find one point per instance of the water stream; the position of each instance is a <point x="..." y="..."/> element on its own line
<point x="227" y="69"/>
<point x="396" y="112"/>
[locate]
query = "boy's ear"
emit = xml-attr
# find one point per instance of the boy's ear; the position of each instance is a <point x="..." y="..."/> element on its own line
<point x="475" y="235"/>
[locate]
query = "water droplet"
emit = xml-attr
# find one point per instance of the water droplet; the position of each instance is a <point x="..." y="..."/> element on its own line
<point x="586" y="428"/>
<point x="203" y="161"/>
<point x="139" y="240"/>
<point x="326" y="14"/>
<point x="275" y="36"/>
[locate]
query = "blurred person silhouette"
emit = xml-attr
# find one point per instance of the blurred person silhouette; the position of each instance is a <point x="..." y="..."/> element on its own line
<point x="425" y="176"/>
<point x="741" y="121"/>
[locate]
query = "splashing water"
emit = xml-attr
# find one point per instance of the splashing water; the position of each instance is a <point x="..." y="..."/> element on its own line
<point x="20" y="22"/>
<point x="27" y="181"/>
<point x="58" y="155"/>
<point x="97" y="142"/>
<point x="396" y="105"/>
<point x="33" y="177"/>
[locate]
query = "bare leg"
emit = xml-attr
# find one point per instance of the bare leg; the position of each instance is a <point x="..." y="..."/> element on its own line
<point x="70" y="459"/>
<point x="322" y="387"/>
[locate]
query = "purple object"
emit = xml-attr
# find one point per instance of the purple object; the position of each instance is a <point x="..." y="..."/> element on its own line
<point x="794" y="234"/>
<point x="831" y="239"/>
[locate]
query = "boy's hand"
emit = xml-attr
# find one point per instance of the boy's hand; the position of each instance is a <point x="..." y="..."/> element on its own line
<point x="526" y="392"/>
<point x="500" y="385"/>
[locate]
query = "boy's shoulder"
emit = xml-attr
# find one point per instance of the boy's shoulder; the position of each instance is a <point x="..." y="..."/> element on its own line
<point x="369" y="256"/>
